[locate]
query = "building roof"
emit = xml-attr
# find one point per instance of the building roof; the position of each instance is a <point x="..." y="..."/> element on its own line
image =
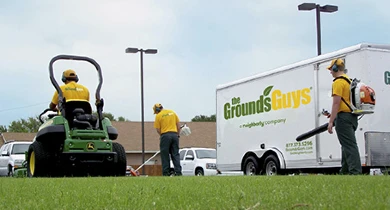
<point x="203" y="134"/>
<point x="17" y="137"/>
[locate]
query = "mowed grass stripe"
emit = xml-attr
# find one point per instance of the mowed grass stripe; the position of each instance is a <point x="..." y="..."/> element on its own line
<point x="225" y="192"/>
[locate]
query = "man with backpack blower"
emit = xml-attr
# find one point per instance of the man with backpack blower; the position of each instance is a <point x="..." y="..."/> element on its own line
<point x="344" y="120"/>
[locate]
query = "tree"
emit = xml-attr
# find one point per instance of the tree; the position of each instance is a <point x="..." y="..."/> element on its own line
<point x="111" y="117"/>
<point x="30" y="125"/>
<point x="204" y="118"/>
<point x="122" y="119"/>
<point x="3" y="128"/>
<point x="106" y="114"/>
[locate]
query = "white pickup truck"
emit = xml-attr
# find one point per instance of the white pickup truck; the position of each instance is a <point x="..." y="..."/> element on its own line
<point x="196" y="161"/>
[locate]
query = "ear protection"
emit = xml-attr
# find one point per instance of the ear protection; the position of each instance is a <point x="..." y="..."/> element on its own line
<point x="158" y="108"/>
<point x="64" y="78"/>
<point x="335" y="68"/>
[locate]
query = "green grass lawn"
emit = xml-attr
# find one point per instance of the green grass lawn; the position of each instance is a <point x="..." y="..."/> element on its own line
<point x="224" y="192"/>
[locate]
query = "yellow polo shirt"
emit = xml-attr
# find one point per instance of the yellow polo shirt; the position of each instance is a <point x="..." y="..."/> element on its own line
<point x="72" y="91"/>
<point x="340" y="87"/>
<point x="166" y="121"/>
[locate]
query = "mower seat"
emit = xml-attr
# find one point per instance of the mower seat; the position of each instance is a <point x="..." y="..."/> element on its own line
<point x="79" y="115"/>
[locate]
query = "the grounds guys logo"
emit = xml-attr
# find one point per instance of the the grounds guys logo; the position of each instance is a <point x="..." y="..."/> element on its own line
<point x="269" y="100"/>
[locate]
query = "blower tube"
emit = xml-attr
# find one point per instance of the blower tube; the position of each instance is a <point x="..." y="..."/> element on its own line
<point x="313" y="132"/>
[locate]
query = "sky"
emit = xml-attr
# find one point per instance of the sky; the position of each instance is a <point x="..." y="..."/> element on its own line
<point x="201" y="44"/>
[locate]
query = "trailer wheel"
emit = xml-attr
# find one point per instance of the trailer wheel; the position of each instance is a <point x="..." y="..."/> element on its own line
<point x="251" y="167"/>
<point x="271" y="165"/>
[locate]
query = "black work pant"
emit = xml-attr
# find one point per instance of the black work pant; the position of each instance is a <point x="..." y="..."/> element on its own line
<point x="169" y="145"/>
<point x="346" y="125"/>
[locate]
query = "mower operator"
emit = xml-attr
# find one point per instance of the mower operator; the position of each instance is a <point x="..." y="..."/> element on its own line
<point x="168" y="127"/>
<point x="70" y="90"/>
<point x="345" y="122"/>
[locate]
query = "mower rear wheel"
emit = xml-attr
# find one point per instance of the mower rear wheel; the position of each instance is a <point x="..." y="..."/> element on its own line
<point x="119" y="167"/>
<point x="37" y="160"/>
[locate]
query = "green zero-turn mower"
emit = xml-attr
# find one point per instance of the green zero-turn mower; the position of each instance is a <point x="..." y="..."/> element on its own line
<point x="74" y="142"/>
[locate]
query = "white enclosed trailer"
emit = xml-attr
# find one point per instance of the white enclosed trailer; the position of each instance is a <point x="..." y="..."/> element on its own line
<point x="259" y="117"/>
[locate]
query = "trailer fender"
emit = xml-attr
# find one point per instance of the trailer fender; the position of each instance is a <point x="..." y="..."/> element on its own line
<point x="261" y="154"/>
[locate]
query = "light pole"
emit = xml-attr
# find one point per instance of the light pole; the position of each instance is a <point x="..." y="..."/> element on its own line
<point x="326" y="8"/>
<point x="148" y="51"/>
